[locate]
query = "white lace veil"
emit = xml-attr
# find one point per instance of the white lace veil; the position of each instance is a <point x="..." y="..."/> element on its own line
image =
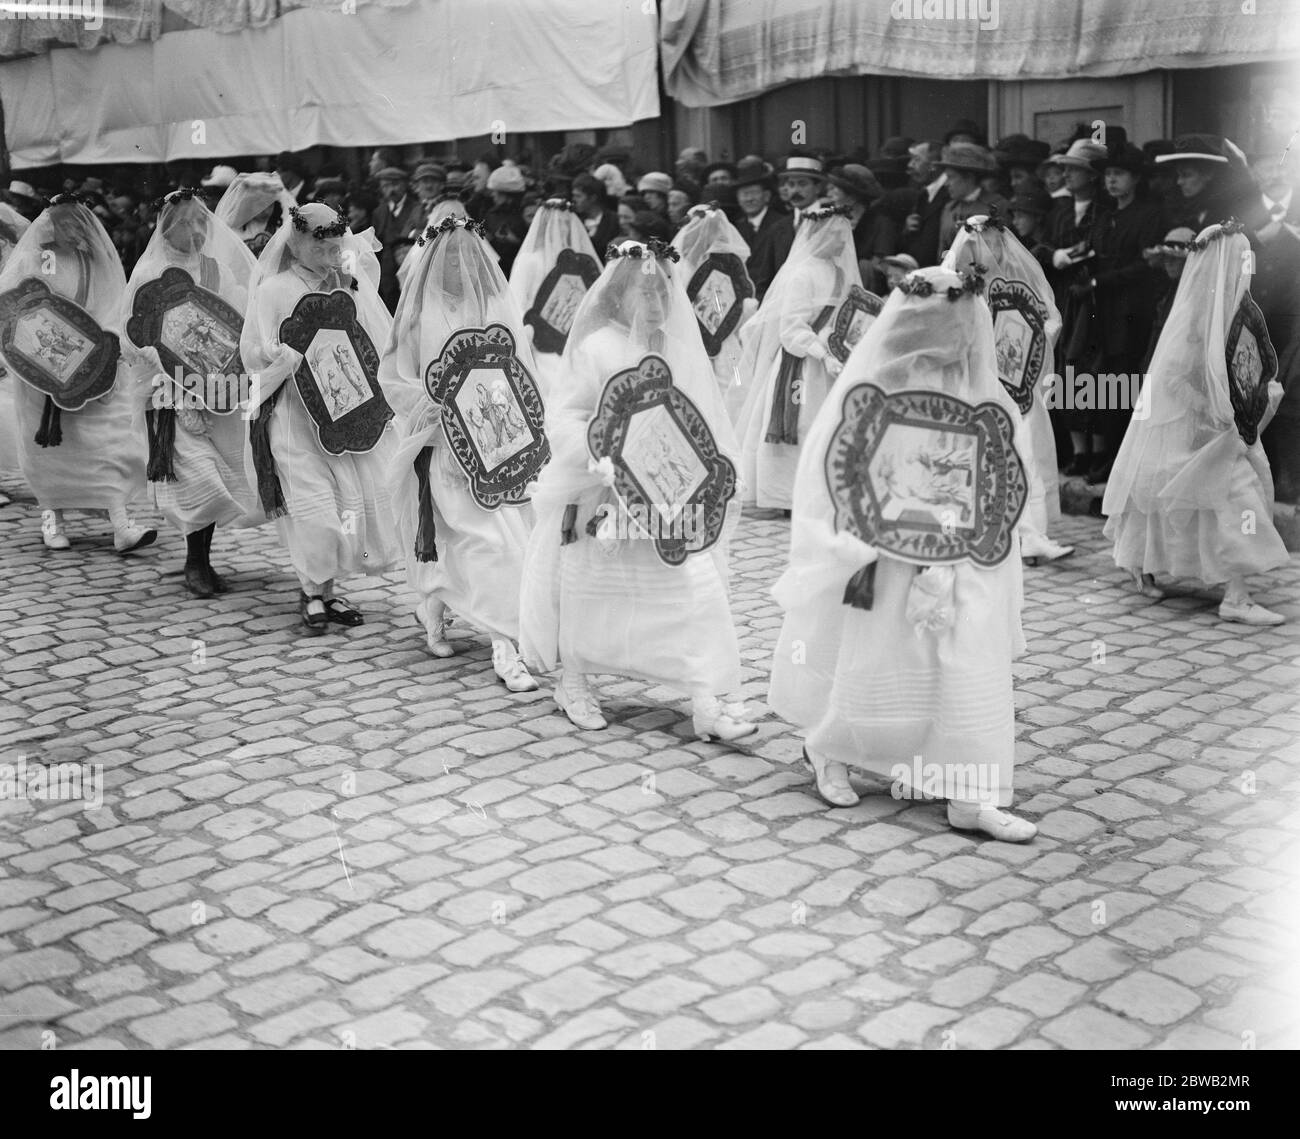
<point x="250" y="196"/>
<point x="12" y="226"/>
<point x="555" y="227"/>
<point x="707" y="230"/>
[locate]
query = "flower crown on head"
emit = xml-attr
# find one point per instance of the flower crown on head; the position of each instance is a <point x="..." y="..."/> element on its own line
<point x="72" y="199"/>
<point x="184" y="194"/>
<point x="991" y="220"/>
<point x="660" y="250"/>
<point x="447" y="225"/>
<point x="825" y="212"/>
<point x="972" y="284"/>
<point x="1226" y="229"/>
<point x="335" y="229"/>
<point x="557" y="204"/>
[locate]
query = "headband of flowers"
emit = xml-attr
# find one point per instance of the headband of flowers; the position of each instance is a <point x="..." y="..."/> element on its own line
<point x="335" y="229"/>
<point x="557" y="204"/>
<point x="972" y="284"/>
<point x="826" y="212"/>
<point x="184" y="194"/>
<point x="447" y="225"/>
<point x="72" y="199"/>
<point x="1226" y="229"/>
<point x="660" y="250"/>
<point x="991" y="220"/>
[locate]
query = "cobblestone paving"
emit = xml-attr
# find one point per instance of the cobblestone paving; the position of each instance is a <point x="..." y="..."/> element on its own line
<point x="345" y="843"/>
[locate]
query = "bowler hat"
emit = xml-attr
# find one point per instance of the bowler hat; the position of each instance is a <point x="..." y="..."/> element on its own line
<point x="858" y="181"/>
<point x="755" y="176"/>
<point x="1196" y="148"/>
<point x="968" y="156"/>
<point x="1021" y="150"/>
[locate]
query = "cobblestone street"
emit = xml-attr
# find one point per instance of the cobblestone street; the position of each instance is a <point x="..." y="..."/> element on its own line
<point x="342" y="842"/>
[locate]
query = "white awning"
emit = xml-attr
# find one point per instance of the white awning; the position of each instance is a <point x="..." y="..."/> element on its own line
<point x="435" y="69"/>
<point x="719" y="51"/>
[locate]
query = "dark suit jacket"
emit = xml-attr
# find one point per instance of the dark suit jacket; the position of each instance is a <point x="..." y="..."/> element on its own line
<point x="923" y="244"/>
<point x="391" y="228"/>
<point x="606" y="231"/>
<point x="1124" y="303"/>
<point x="769" y="246"/>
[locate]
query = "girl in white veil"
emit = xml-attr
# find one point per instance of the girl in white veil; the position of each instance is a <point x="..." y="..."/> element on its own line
<point x="12" y="226"/>
<point x="597" y="598"/>
<point x="892" y="668"/>
<point x="93" y="458"/>
<point x="332" y="511"/>
<point x="255" y="206"/>
<point x="1188" y="496"/>
<point x="458" y="553"/>
<point x="986" y="242"/>
<point x="555" y="229"/>
<point x="708" y="232"/>
<point x="196" y="455"/>
<point x="785" y="359"/>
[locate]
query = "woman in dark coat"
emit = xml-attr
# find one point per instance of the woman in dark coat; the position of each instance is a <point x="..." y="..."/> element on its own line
<point x="1124" y="289"/>
<point x="875" y="233"/>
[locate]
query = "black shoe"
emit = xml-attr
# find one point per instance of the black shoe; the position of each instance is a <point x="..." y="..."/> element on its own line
<point x="219" y="583"/>
<point x="314" y="623"/>
<point x="198" y="581"/>
<point x="1079" y="465"/>
<point x="341" y="613"/>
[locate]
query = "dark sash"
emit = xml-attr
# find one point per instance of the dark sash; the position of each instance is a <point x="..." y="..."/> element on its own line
<point x="783" y="419"/>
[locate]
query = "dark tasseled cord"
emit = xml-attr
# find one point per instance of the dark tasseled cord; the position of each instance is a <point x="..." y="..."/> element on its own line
<point x="50" y="431"/>
<point x="569" y="527"/>
<point x="161" y="424"/>
<point x="426" y="549"/>
<point x="861" y="590"/>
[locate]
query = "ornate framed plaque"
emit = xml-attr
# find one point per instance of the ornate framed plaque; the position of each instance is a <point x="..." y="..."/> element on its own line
<point x="926" y="477"/>
<point x="337" y="378"/>
<point x="717" y="291"/>
<point x="194" y="330"/>
<point x="558" y="298"/>
<point x="667" y="467"/>
<point x="492" y="414"/>
<point x="55" y="346"/>
<point x="1019" y="338"/>
<point x="852" y="319"/>
<point x="1252" y="363"/>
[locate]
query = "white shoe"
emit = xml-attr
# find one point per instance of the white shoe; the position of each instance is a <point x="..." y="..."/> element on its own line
<point x="52" y="530"/>
<point x="990" y="821"/>
<point x="578" y="702"/>
<point x="738" y="710"/>
<point x="1044" y="550"/>
<point x="511" y="670"/>
<point x="1146" y="584"/>
<point x="127" y="536"/>
<point x="435" y="631"/>
<point x="1248" y="613"/>
<point x="832" y="781"/>
<point x="711" y="720"/>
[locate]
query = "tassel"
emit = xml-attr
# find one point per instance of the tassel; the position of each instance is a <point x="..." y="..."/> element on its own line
<point x="50" y="432"/>
<point x="861" y="590"/>
<point x="593" y="525"/>
<point x="268" y="482"/>
<point x="162" y="444"/>
<point x="426" y="531"/>
<point x="569" y="527"/>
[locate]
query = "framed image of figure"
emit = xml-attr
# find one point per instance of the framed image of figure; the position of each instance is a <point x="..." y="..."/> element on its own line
<point x="492" y="414"/>
<point x="665" y="458"/>
<point x="55" y="346"/>
<point x="558" y="298"/>
<point x="926" y="477"/>
<point x="717" y="291"/>
<point x="1252" y="364"/>
<point x="852" y="319"/>
<point x="337" y="378"/>
<point x="1019" y="338"/>
<point x="193" y="330"/>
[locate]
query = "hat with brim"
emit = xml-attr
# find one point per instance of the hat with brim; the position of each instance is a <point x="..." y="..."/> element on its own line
<point x="1196" y="148"/>
<point x="858" y="181"/>
<point x="391" y="174"/>
<point x="801" y="166"/>
<point x="330" y="186"/>
<point x="1082" y="155"/>
<point x="714" y="167"/>
<point x="23" y="190"/>
<point x="904" y="261"/>
<point x="507" y="180"/>
<point x="965" y="126"/>
<point x="656" y="182"/>
<point x="755" y="176"/>
<point x="220" y="178"/>
<point x="1124" y="156"/>
<point x="967" y="156"/>
<point x="1040" y="202"/>
<point x="1021" y="150"/>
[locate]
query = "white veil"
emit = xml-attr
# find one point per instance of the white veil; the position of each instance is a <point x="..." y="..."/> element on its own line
<point x="555" y="227"/>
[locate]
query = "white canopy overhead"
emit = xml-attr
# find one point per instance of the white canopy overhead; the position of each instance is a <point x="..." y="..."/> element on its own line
<point x="719" y="51"/>
<point x="378" y="74"/>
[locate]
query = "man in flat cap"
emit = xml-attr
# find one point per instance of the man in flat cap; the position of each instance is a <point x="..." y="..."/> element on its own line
<point x="397" y="214"/>
<point x="965" y="163"/>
